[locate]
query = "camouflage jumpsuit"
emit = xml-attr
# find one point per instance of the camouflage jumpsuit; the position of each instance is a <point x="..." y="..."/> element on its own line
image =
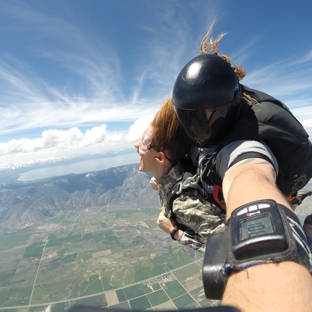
<point x="199" y="216"/>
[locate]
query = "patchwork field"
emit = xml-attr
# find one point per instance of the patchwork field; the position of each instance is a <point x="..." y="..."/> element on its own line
<point x="102" y="257"/>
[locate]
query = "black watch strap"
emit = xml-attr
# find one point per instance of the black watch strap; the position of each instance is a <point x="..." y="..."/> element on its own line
<point x="173" y="232"/>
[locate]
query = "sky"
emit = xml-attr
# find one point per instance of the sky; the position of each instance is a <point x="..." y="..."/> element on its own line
<point x="80" y="77"/>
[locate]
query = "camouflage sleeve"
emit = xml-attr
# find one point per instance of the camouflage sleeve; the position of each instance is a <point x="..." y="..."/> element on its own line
<point x="194" y="241"/>
<point x="200" y="218"/>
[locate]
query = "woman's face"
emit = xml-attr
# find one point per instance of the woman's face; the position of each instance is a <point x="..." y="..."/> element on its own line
<point x="144" y="149"/>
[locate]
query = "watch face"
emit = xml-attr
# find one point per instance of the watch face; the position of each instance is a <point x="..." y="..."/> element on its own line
<point x="257" y="229"/>
<point x="254" y="227"/>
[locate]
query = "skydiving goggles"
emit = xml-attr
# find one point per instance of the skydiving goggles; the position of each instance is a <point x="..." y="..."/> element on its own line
<point x="148" y="146"/>
<point x="144" y="142"/>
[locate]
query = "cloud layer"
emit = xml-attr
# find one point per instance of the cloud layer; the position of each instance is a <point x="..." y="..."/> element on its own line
<point x="79" y="80"/>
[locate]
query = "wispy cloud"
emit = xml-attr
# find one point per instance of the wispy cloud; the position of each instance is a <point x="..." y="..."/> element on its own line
<point x="289" y="81"/>
<point x="76" y="79"/>
<point x="87" y="86"/>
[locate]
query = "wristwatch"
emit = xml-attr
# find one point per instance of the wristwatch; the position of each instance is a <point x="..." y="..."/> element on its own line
<point x="173" y="232"/>
<point x="258" y="232"/>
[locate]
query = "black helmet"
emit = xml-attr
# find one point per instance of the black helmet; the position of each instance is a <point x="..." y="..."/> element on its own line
<point x="204" y="97"/>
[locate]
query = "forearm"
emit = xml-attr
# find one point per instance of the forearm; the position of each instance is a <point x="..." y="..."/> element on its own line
<point x="284" y="287"/>
<point x="267" y="287"/>
<point x="251" y="185"/>
<point x="184" y="237"/>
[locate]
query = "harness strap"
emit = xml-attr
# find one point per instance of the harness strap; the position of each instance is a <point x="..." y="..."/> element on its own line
<point x="218" y="195"/>
<point x="186" y="184"/>
<point x="299" y="197"/>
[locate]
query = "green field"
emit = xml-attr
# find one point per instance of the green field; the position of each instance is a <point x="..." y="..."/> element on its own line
<point x="90" y="257"/>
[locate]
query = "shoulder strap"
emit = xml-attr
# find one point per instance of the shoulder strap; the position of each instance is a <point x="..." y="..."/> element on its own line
<point x="207" y="167"/>
<point x="186" y="186"/>
<point x="192" y="180"/>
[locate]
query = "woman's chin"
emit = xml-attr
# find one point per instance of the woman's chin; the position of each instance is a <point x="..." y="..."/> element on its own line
<point x="141" y="165"/>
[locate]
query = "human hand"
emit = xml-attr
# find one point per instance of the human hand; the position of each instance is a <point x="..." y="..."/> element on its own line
<point x="153" y="184"/>
<point x="164" y="223"/>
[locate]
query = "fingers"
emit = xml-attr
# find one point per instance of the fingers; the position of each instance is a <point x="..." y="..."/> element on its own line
<point x="153" y="184"/>
<point x="164" y="223"/>
<point x="163" y="210"/>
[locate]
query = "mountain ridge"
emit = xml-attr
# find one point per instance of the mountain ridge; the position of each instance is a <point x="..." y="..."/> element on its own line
<point x="24" y="204"/>
<point x="28" y="203"/>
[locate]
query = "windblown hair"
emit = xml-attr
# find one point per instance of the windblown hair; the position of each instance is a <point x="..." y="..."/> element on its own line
<point x="168" y="134"/>
<point x="211" y="46"/>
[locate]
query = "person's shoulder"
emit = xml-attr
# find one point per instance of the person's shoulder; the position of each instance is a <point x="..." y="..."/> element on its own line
<point x="242" y="146"/>
<point x="239" y="147"/>
<point x="242" y="149"/>
<point x="175" y="174"/>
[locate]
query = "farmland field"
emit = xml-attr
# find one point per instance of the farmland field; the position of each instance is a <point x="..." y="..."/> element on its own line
<point x="107" y="258"/>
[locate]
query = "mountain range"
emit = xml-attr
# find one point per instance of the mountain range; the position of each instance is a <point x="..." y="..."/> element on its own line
<point x="24" y="204"/>
<point x="28" y="203"/>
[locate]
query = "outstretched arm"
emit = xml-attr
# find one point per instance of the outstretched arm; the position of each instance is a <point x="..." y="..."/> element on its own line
<point x="185" y="237"/>
<point x="267" y="287"/>
<point x="198" y="219"/>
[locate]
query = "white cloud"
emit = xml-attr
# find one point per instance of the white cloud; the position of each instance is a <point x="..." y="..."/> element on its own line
<point x="307" y="123"/>
<point x="137" y="129"/>
<point x="94" y="136"/>
<point x="90" y="82"/>
<point x="73" y="141"/>
<point x="57" y="139"/>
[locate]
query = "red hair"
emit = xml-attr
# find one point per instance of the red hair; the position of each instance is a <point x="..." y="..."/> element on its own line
<point x="168" y="134"/>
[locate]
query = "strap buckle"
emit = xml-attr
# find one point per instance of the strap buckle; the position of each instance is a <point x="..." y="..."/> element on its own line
<point x="189" y="182"/>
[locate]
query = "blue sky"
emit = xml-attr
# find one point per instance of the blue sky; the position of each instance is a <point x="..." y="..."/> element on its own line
<point x="80" y="77"/>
